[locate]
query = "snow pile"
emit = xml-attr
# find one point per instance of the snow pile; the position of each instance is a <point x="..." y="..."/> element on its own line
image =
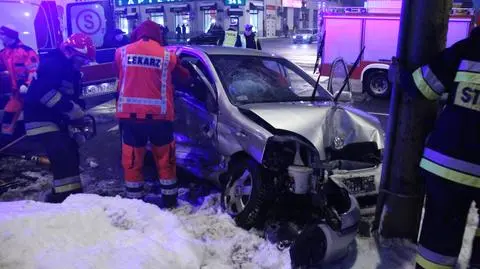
<point x="88" y="231"/>
<point x="225" y="243"/>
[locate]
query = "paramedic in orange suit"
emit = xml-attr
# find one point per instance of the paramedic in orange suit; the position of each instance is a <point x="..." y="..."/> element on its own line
<point x="21" y="63"/>
<point x="145" y="109"/>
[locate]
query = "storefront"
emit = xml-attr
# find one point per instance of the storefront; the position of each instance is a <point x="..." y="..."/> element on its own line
<point x="271" y="21"/>
<point x="256" y="16"/>
<point x="156" y="14"/>
<point x="209" y="15"/>
<point x="182" y="16"/>
<point x="234" y="15"/>
<point x="126" y="19"/>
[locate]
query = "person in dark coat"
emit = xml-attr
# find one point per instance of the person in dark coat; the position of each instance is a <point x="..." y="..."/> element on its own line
<point x="165" y="35"/>
<point x="115" y="39"/>
<point x="249" y="39"/>
<point x="184" y="31"/>
<point x="178" y="30"/>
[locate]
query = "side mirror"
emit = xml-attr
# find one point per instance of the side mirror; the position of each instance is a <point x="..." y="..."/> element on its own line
<point x="345" y="97"/>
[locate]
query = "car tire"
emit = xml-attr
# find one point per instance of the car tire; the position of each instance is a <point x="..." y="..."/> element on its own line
<point x="376" y="84"/>
<point x="246" y="194"/>
<point x="310" y="41"/>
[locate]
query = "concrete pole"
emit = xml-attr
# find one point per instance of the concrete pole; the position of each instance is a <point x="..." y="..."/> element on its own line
<point x="422" y="35"/>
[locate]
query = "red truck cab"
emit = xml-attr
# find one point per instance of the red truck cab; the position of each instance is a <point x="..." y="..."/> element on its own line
<point x="348" y="30"/>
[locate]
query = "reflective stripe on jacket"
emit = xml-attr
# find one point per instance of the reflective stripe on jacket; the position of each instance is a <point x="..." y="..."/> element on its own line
<point x="453" y="145"/>
<point x="145" y="81"/>
<point x="21" y="62"/>
<point x="230" y="38"/>
<point x="53" y="97"/>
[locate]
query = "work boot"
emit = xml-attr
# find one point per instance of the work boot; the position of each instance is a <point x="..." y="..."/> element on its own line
<point x="160" y="201"/>
<point x="58" y="198"/>
<point x="170" y="201"/>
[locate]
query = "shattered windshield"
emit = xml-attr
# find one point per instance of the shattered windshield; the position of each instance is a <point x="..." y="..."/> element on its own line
<point x="252" y="79"/>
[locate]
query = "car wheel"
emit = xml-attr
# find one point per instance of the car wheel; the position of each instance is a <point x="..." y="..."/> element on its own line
<point x="310" y="41"/>
<point x="377" y="85"/>
<point x="245" y="195"/>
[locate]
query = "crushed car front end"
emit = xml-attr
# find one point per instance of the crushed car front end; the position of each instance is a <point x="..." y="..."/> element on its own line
<point x="323" y="142"/>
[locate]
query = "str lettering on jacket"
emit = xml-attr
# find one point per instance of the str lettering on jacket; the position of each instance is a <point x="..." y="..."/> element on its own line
<point x="144" y="61"/>
<point x="468" y="96"/>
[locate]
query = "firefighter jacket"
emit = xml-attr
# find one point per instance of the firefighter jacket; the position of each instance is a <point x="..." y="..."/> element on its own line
<point x="21" y="63"/>
<point x="53" y="97"/>
<point x="452" y="148"/>
<point x="146" y="70"/>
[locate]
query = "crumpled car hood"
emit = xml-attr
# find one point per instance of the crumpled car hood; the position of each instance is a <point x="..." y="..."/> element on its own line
<point x="320" y="123"/>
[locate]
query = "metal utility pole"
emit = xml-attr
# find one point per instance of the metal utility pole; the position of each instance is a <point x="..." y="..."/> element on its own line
<point x="423" y="29"/>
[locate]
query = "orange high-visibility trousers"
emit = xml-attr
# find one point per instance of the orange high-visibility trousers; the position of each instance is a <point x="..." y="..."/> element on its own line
<point x="135" y="136"/>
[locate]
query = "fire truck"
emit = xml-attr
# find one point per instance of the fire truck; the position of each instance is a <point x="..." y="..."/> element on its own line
<point x="347" y="30"/>
<point x="43" y="25"/>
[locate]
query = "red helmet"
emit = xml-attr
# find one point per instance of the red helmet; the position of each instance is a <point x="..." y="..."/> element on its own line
<point x="82" y="44"/>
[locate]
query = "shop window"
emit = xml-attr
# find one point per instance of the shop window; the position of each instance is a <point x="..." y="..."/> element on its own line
<point x="208" y="19"/>
<point x="181" y="19"/>
<point x="123" y="24"/>
<point x="158" y="18"/>
<point x="254" y="20"/>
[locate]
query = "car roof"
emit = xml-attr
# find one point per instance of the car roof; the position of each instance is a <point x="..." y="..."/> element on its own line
<point x="220" y="50"/>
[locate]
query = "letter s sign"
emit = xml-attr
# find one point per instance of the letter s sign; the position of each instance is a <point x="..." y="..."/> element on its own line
<point x="88" y="18"/>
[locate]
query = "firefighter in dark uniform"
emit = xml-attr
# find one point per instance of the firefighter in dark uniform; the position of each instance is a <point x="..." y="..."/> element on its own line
<point x="52" y="105"/>
<point x="451" y="159"/>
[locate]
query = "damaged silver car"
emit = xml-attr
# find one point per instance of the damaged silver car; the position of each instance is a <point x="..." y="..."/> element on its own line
<point x="254" y="123"/>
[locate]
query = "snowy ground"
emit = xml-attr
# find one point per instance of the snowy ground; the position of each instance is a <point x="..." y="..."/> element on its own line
<point x="90" y="231"/>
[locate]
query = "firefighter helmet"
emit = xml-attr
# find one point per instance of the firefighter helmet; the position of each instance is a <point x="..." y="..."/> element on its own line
<point x="81" y="44"/>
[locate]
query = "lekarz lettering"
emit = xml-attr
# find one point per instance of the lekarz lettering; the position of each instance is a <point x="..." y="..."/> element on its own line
<point x="144" y="61"/>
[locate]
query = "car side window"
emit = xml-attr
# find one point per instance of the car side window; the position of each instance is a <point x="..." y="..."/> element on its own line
<point x="198" y="90"/>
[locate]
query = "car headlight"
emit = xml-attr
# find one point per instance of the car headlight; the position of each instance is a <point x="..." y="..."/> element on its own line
<point x="188" y="40"/>
<point x="305" y="36"/>
<point x="294" y="36"/>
